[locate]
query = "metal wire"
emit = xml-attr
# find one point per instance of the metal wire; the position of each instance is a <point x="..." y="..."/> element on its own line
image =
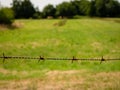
<point x="72" y="59"/>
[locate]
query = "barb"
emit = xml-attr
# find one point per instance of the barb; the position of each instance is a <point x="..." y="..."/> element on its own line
<point x="72" y="59"/>
<point x="102" y="59"/>
<point x="41" y="58"/>
<point x="4" y="57"/>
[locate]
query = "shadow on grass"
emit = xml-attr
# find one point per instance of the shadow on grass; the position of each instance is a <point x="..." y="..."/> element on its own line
<point x="9" y="27"/>
<point x="12" y="26"/>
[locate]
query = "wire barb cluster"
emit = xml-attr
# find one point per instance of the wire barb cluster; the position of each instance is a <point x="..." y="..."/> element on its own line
<point x="41" y="58"/>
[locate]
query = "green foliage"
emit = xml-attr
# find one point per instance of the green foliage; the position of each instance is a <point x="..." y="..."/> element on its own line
<point x="92" y="9"/>
<point x="27" y="9"/>
<point x="76" y="17"/>
<point x="107" y="8"/>
<point x="49" y="10"/>
<point x="23" y="9"/>
<point x="113" y="8"/>
<point x="80" y="17"/>
<point x="6" y="16"/>
<point x="37" y="16"/>
<point x="76" y="4"/>
<point x="16" y="6"/>
<point x="84" y="6"/>
<point x="65" y="9"/>
<point x="60" y="23"/>
<point x="99" y="8"/>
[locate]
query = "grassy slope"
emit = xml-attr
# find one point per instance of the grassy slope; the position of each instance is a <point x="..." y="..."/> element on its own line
<point x="83" y="38"/>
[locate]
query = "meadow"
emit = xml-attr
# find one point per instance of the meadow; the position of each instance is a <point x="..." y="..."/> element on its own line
<point x="82" y="38"/>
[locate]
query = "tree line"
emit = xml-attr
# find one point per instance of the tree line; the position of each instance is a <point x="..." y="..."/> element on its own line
<point x="71" y="9"/>
<point x="92" y="8"/>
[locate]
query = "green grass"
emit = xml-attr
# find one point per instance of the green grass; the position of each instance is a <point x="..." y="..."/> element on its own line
<point x="82" y="38"/>
<point x="85" y="38"/>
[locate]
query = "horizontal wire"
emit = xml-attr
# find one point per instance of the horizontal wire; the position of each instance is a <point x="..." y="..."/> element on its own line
<point x="42" y="58"/>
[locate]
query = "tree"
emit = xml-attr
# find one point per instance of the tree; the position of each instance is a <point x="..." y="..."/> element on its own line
<point x="23" y="9"/>
<point x="27" y="9"/>
<point x="84" y="7"/>
<point x="37" y="14"/>
<point x="6" y="16"/>
<point x="107" y="8"/>
<point x="76" y="4"/>
<point x="113" y="8"/>
<point x="101" y="8"/>
<point x="49" y="10"/>
<point x="92" y="9"/>
<point x="65" y="9"/>
<point x="16" y="6"/>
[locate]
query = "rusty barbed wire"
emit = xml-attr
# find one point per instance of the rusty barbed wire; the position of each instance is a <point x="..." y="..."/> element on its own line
<point x="102" y="59"/>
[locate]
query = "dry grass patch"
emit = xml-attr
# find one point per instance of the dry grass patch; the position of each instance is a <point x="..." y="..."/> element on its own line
<point x="104" y="81"/>
<point x="18" y="24"/>
<point x="67" y="80"/>
<point x="54" y="80"/>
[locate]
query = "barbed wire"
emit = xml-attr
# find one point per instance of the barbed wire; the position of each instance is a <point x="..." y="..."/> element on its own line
<point x="102" y="59"/>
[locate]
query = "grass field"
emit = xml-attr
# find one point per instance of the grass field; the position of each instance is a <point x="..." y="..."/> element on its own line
<point x="82" y="38"/>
